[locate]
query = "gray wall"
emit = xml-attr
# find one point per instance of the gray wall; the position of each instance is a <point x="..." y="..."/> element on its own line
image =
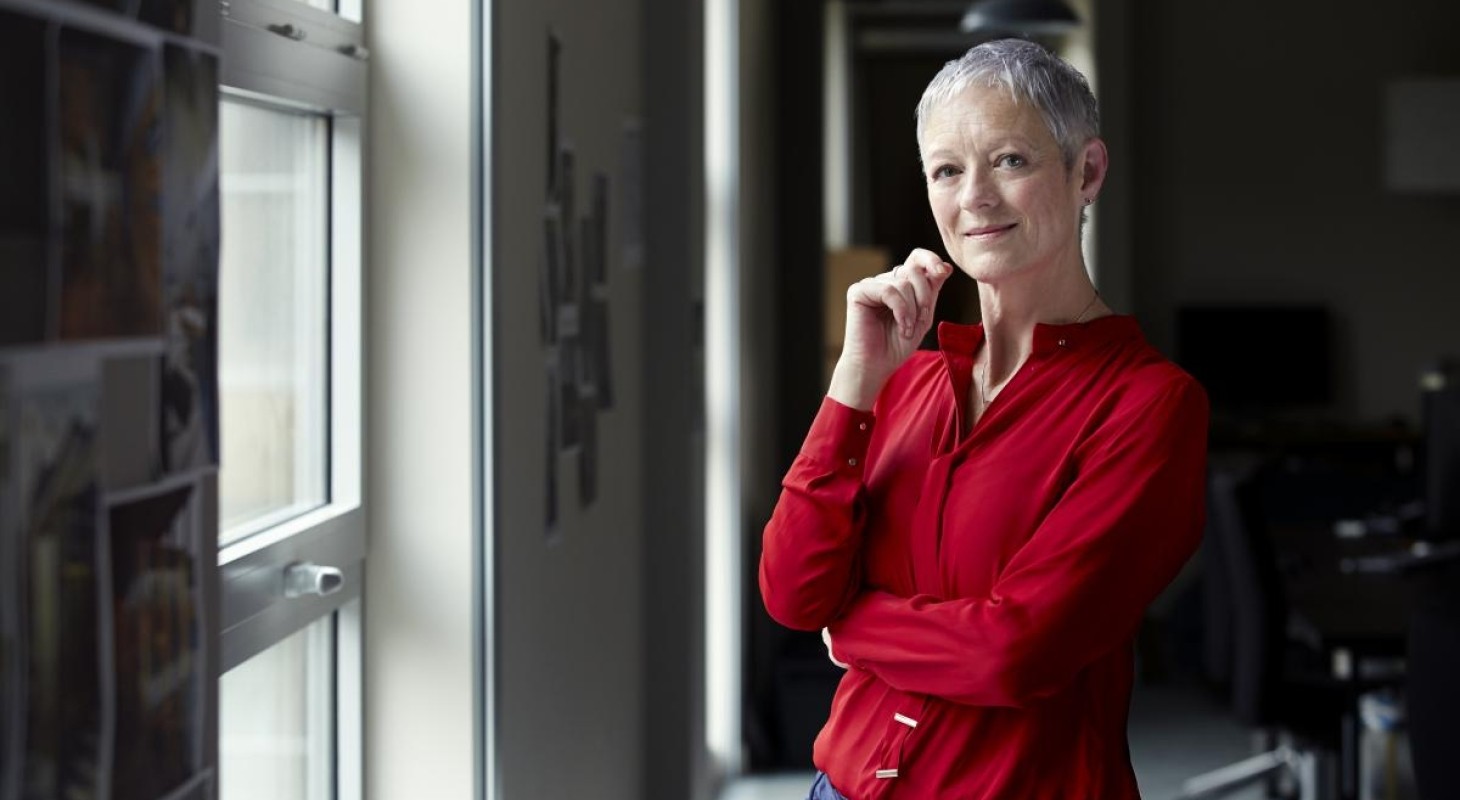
<point x="571" y="627"/>
<point x="673" y="757"/>
<point x="1256" y="156"/>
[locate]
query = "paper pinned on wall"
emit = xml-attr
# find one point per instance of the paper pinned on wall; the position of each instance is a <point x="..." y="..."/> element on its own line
<point x="26" y="192"/>
<point x="109" y="165"/>
<point x="54" y="481"/>
<point x="596" y="230"/>
<point x="631" y="193"/>
<point x="570" y="409"/>
<point x="600" y="349"/>
<point x="191" y="237"/>
<point x="566" y="199"/>
<point x="550" y="275"/>
<point x="588" y="452"/>
<point x="154" y="537"/>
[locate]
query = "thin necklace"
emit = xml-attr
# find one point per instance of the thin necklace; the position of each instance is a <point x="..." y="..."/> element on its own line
<point x="983" y="383"/>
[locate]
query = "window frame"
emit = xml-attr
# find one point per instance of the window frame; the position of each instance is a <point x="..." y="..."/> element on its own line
<point x="289" y="55"/>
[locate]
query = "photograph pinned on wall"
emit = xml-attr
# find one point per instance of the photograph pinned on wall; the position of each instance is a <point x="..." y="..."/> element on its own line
<point x="550" y="273"/>
<point x="554" y="74"/>
<point x="631" y="193"/>
<point x="550" y="457"/>
<point x="25" y="192"/>
<point x="55" y="481"/>
<point x="175" y="16"/>
<point x="600" y="349"/>
<point x="130" y="441"/>
<point x="110" y="169"/>
<point x="588" y="452"/>
<point x="570" y="406"/>
<point x="587" y="255"/>
<point x="156" y="566"/>
<point x="598" y="232"/>
<point x="569" y="321"/>
<point x="191" y="238"/>
<point x="566" y="202"/>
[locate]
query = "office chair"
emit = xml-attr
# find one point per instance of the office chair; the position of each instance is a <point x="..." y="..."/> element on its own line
<point x="1434" y="684"/>
<point x="1433" y="692"/>
<point x="1276" y="685"/>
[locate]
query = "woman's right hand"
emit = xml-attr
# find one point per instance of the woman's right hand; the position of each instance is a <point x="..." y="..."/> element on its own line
<point x="887" y="316"/>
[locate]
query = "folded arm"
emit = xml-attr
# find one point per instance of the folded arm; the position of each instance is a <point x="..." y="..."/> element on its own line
<point x="808" y="565"/>
<point x="1078" y="588"/>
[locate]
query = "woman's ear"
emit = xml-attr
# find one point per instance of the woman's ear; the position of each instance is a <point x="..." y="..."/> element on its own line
<point x="1094" y="161"/>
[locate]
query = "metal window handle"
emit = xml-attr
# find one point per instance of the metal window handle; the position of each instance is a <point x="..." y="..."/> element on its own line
<point x="288" y="31"/>
<point x="307" y="578"/>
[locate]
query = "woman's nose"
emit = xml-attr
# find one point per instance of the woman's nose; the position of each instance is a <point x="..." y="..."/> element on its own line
<point x="977" y="191"/>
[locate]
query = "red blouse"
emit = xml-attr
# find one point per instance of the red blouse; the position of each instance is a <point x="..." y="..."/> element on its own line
<point x="986" y="585"/>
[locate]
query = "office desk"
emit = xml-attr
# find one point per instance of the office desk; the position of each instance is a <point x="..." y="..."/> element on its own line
<point x="1359" y="620"/>
<point x="1366" y="612"/>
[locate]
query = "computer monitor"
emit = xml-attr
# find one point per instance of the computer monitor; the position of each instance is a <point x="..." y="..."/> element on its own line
<point x="1258" y="359"/>
<point x="1442" y="453"/>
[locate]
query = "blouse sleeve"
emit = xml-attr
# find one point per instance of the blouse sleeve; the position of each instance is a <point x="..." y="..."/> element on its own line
<point x="1078" y="588"/>
<point x="808" y="569"/>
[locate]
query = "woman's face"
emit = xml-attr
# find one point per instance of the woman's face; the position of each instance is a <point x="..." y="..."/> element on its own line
<point x="1000" y="192"/>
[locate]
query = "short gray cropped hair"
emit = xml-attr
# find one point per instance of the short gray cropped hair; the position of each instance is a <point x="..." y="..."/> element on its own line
<point x="1030" y="72"/>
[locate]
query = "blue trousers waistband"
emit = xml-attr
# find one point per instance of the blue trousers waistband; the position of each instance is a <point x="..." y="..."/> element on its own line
<point x="821" y="789"/>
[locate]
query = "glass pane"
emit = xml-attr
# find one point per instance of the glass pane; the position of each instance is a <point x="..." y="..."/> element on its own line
<point x="327" y="5"/>
<point x="276" y="737"/>
<point x="272" y="316"/>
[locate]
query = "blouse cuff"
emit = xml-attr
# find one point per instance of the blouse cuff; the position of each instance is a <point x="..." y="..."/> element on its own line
<point x="839" y="436"/>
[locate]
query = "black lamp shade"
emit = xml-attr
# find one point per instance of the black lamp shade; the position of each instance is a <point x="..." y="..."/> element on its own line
<point x="1019" y="16"/>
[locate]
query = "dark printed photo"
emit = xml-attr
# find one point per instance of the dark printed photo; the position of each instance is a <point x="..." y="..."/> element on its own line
<point x="550" y="276"/>
<point x="170" y="15"/>
<point x="588" y="453"/>
<point x="189" y="422"/>
<point x="56" y="484"/>
<point x="25" y="197"/>
<point x="110" y="173"/>
<point x="157" y="643"/>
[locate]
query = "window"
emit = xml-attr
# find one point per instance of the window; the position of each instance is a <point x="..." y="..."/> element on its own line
<point x="273" y="332"/>
<point x="279" y="739"/>
<point x="291" y="521"/>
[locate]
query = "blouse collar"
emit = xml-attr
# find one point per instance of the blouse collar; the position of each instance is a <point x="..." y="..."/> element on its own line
<point x="965" y="339"/>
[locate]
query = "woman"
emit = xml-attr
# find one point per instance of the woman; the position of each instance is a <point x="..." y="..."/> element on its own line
<point x="978" y="530"/>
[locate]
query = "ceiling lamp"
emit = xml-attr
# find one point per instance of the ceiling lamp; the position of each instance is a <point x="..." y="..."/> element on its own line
<point x="1032" y="17"/>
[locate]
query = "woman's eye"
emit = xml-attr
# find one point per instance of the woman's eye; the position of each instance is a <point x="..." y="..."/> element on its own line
<point x="945" y="171"/>
<point x="1012" y="160"/>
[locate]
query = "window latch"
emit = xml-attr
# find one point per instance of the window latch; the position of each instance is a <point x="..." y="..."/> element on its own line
<point x="288" y="31"/>
<point x="307" y="578"/>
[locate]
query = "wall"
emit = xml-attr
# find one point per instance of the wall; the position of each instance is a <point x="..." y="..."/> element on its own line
<point x="570" y="617"/>
<point x="1257" y="156"/>
<point x="674" y="758"/>
<point x="419" y="690"/>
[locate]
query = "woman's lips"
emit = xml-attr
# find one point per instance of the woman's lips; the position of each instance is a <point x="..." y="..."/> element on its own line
<point x="989" y="231"/>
